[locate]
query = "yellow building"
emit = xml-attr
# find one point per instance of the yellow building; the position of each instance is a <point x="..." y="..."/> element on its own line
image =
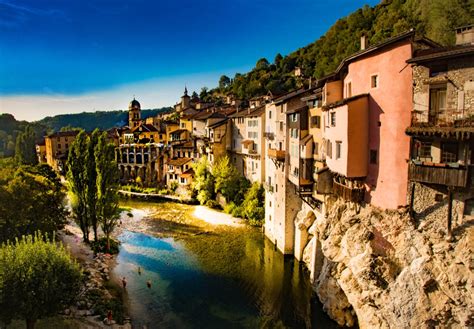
<point x="57" y="149"/>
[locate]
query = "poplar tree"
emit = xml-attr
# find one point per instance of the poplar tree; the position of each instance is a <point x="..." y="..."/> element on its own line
<point x="91" y="181"/>
<point x="25" y="150"/>
<point x="77" y="178"/>
<point x="107" y="186"/>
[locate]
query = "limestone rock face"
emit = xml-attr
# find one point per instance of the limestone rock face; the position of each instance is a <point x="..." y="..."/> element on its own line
<point x="382" y="271"/>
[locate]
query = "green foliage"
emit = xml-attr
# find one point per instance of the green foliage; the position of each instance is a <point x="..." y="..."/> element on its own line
<point x="101" y="246"/>
<point x="203" y="182"/>
<point x="31" y="199"/>
<point x="233" y="209"/>
<point x="91" y="178"/>
<point x="228" y="181"/>
<point x="10" y="128"/>
<point x="38" y="278"/>
<point x="213" y="204"/>
<point x="174" y="186"/>
<point x="253" y="207"/>
<point x="434" y="18"/>
<point x="89" y="121"/>
<point x="25" y="148"/>
<point x="78" y="183"/>
<point x="107" y="186"/>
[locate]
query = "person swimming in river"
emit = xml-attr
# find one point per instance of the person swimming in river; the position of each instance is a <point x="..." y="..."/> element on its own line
<point x="124" y="283"/>
<point x="148" y="284"/>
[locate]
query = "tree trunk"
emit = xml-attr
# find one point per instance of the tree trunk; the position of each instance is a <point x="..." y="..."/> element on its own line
<point x="95" y="232"/>
<point x="108" y="243"/>
<point x="30" y="324"/>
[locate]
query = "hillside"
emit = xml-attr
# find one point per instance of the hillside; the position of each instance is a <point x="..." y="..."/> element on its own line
<point x="435" y="19"/>
<point x="10" y="127"/>
<point x="90" y="120"/>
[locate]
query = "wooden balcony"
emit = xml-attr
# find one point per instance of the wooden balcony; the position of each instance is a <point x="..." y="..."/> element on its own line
<point x="445" y="118"/>
<point x="437" y="174"/>
<point x="276" y="154"/>
<point x="354" y="194"/>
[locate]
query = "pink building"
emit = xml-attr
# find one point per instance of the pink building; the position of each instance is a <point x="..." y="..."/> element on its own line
<point x="367" y="105"/>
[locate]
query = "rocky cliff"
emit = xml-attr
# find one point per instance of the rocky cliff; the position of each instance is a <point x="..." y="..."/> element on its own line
<point x="382" y="270"/>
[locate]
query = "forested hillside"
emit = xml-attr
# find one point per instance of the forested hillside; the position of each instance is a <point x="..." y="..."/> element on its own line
<point x="10" y="127"/>
<point x="90" y="120"/>
<point x="435" y="19"/>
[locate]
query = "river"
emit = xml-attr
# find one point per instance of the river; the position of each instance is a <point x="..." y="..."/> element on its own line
<point x="208" y="276"/>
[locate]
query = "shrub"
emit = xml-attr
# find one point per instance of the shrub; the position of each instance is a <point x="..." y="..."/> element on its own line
<point x="253" y="207"/>
<point x="174" y="186"/>
<point x="213" y="204"/>
<point x="101" y="246"/>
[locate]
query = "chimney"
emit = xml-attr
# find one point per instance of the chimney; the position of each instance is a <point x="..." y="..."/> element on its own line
<point x="363" y="42"/>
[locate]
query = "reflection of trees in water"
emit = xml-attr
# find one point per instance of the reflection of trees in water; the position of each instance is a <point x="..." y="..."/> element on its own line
<point x="278" y="287"/>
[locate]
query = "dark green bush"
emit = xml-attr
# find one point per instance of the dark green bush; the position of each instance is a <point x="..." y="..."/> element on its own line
<point x="101" y="246"/>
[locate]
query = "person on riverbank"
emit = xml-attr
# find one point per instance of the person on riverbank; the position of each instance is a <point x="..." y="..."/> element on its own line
<point x="148" y="284"/>
<point x="139" y="271"/>
<point x="109" y="317"/>
<point x="124" y="283"/>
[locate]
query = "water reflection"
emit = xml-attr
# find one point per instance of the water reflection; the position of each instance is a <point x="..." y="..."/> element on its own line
<point x="227" y="278"/>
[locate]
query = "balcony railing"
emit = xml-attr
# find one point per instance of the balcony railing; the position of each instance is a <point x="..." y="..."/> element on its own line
<point x="279" y="155"/>
<point x="348" y="193"/>
<point x="444" y="118"/>
<point x="440" y="174"/>
<point x="269" y="135"/>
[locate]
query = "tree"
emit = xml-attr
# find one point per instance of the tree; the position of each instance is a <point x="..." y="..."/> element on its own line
<point x="224" y="82"/>
<point x="91" y="181"/>
<point x="77" y="178"/>
<point x="31" y="199"/>
<point x="253" y="207"/>
<point x="38" y="278"/>
<point x="107" y="186"/>
<point x="203" y="182"/>
<point x="227" y="180"/>
<point x="25" y="149"/>
<point x="262" y="64"/>
<point x="195" y="95"/>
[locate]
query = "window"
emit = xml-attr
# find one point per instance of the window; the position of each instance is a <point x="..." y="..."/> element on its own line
<point x="270" y="218"/>
<point x="67" y="145"/>
<point x="329" y="149"/>
<point x="270" y="114"/>
<point x="316" y="148"/>
<point x="449" y="152"/>
<point x="374" y="81"/>
<point x="373" y="156"/>
<point x="316" y="121"/>
<point x="269" y="180"/>
<point x="294" y="117"/>
<point x="338" y="150"/>
<point x="349" y="89"/>
<point x="276" y="188"/>
<point x="281" y="125"/>
<point x="270" y="203"/>
<point x="333" y="118"/>
<point x="183" y="180"/>
<point x="439" y="69"/>
<point x="424" y="150"/>
<point x="296" y="172"/>
<point x="437" y="102"/>
<point x="183" y="125"/>
<point x="59" y="146"/>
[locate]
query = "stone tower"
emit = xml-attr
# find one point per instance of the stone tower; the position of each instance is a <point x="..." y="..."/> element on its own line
<point x="185" y="99"/>
<point x="134" y="114"/>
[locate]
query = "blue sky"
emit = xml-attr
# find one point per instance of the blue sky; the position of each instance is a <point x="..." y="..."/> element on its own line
<point x="59" y="56"/>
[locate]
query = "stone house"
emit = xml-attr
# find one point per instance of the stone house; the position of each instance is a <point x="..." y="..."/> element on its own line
<point x="442" y="134"/>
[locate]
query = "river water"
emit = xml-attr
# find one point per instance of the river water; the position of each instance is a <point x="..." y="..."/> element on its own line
<point x="205" y="276"/>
